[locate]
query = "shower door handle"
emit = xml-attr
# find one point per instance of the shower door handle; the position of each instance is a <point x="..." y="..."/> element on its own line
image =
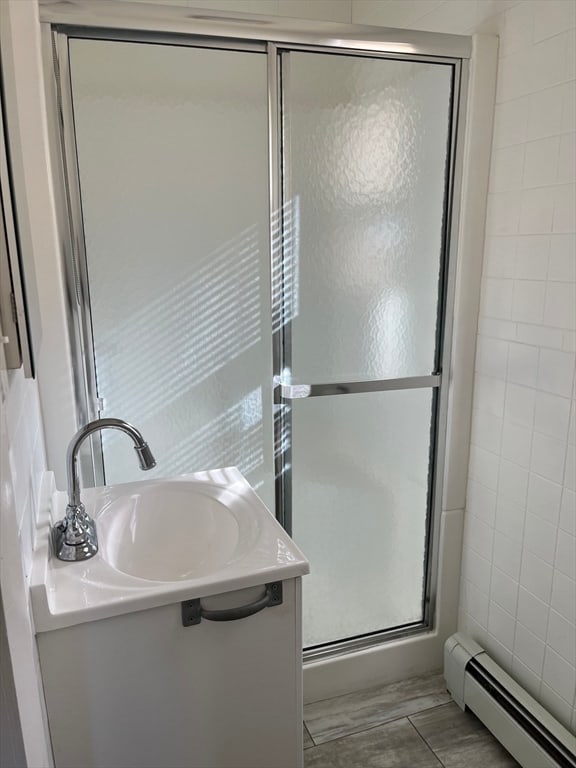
<point x="300" y="391"/>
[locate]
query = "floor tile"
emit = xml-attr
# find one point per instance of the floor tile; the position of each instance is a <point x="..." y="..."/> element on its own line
<point x="459" y="739"/>
<point x="342" y="716"/>
<point x="394" y="745"/>
<point x="307" y="738"/>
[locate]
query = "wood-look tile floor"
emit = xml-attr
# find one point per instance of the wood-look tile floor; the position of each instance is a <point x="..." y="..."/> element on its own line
<point x="412" y="724"/>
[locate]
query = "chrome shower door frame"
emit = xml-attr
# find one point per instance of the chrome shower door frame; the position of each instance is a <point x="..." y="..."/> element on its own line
<point x="269" y="36"/>
<point x="438" y="380"/>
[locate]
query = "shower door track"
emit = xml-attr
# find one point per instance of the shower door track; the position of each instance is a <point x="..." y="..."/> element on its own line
<point x="270" y="37"/>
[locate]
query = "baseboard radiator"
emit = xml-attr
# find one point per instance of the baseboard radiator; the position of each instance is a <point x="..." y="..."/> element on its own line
<point x="531" y="734"/>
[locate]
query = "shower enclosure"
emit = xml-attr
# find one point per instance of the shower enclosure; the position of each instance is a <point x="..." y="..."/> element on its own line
<point x="259" y="269"/>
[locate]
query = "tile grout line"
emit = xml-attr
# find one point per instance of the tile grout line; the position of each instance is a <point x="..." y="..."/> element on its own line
<point x="483" y="733"/>
<point x="439" y="762"/>
<point x="377" y="725"/>
<point x="371" y="728"/>
<point x="423" y="740"/>
<point x="413" y="678"/>
<point x="426" y="742"/>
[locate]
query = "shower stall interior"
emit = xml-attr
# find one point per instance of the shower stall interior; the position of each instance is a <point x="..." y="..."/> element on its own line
<point x="261" y="274"/>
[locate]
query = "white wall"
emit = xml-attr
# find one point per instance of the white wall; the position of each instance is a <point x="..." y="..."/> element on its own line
<point x="518" y="595"/>
<point x="11" y="745"/>
<point x="22" y="464"/>
<point x="24" y="446"/>
<point x="26" y="124"/>
<point x="22" y="438"/>
<point x="324" y="10"/>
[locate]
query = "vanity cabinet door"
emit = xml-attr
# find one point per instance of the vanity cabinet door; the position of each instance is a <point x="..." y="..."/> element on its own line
<point x="142" y="691"/>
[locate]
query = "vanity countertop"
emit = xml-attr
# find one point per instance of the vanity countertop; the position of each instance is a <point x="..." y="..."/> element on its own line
<point x="68" y="593"/>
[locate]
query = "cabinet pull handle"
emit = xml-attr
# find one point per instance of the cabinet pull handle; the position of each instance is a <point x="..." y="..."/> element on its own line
<point x="193" y="612"/>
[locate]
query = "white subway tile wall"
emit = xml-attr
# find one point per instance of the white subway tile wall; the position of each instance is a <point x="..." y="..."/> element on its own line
<point x="529" y="276"/>
<point x="518" y="596"/>
<point x="26" y="455"/>
<point x="22" y="464"/>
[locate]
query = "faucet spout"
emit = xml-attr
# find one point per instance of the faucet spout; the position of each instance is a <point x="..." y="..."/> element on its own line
<point x="145" y="457"/>
<point x="75" y="538"/>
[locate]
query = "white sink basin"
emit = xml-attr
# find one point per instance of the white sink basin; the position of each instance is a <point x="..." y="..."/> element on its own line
<point x="167" y="531"/>
<point x="160" y="542"/>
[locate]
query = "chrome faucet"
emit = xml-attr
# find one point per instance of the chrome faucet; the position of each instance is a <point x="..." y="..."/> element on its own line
<point x="74" y="538"/>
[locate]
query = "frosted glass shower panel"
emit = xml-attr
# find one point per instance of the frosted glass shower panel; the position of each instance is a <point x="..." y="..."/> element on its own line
<point x="359" y="489"/>
<point x="366" y="149"/>
<point x="172" y="155"/>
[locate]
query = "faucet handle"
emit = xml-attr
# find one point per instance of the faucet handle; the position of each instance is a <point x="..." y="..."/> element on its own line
<point x="74" y="538"/>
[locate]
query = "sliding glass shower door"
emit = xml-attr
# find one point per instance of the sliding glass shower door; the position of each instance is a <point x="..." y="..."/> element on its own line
<point x="365" y="153"/>
<point x="280" y="310"/>
<point x="173" y="168"/>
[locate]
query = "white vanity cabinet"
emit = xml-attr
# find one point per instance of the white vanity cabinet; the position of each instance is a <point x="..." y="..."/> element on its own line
<point x="133" y="676"/>
<point x="140" y="690"/>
